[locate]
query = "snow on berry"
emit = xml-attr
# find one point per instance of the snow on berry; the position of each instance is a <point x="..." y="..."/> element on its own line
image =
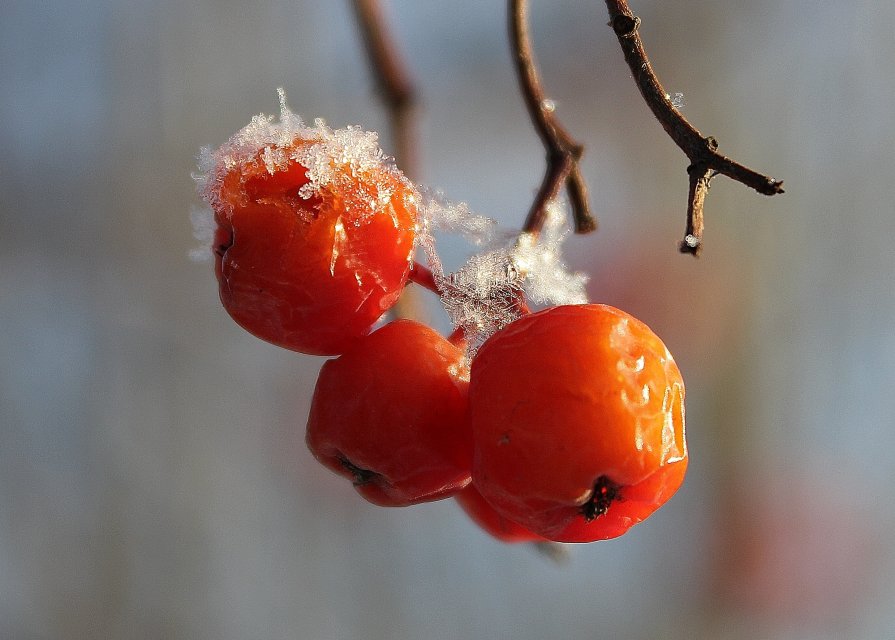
<point x="357" y="268"/>
<point x="314" y="230"/>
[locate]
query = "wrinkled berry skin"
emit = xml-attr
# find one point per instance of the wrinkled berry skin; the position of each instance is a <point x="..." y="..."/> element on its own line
<point x="311" y="274"/>
<point x="389" y="415"/>
<point x="577" y="415"/>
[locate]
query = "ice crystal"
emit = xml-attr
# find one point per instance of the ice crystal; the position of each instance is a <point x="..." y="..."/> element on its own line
<point x="330" y="155"/>
<point x="547" y="279"/>
<point x="488" y="291"/>
<point x="483" y="295"/>
<point x="676" y="99"/>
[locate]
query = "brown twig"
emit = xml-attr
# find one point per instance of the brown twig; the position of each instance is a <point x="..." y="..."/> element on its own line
<point x="563" y="153"/>
<point x="393" y="83"/>
<point x="705" y="161"/>
<point x="396" y="88"/>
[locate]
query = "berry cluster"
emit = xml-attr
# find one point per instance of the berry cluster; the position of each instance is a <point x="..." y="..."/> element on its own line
<point x="566" y="424"/>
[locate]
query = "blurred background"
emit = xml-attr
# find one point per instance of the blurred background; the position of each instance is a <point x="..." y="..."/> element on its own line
<point x="153" y="477"/>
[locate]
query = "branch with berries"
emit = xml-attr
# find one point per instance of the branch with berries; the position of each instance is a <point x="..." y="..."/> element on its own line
<point x="548" y="419"/>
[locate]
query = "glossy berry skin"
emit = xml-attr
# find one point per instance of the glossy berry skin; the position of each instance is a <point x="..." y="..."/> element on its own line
<point x="578" y="422"/>
<point x="389" y="415"/>
<point x="311" y="274"/>
<point x="483" y="514"/>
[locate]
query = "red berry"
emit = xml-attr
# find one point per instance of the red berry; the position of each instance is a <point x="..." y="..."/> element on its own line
<point x="484" y="515"/>
<point x="389" y="414"/>
<point x="578" y="422"/>
<point x="312" y="271"/>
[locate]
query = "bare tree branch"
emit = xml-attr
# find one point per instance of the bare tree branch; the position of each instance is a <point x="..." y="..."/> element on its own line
<point x="563" y="153"/>
<point x="393" y="83"/>
<point x="705" y="161"/>
<point x="397" y="90"/>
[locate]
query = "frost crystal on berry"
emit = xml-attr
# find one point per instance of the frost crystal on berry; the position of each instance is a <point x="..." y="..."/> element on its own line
<point x="486" y="292"/>
<point x="483" y="295"/>
<point x="333" y="151"/>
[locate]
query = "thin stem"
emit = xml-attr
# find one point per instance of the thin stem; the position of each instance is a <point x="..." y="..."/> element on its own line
<point x="563" y="153"/>
<point x="458" y="338"/>
<point x="557" y="172"/>
<point x="423" y="276"/>
<point x="700" y="177"/>
<point x="705" y="161"/>
<point x="393" y="82"/>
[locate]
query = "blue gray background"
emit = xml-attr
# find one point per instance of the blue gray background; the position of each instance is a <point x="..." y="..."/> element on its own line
<point x="153" y="480"/>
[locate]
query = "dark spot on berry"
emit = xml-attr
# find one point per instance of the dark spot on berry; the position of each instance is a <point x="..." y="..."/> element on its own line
<point x="504" y="439"/>
<point x="361" y="476"/>
<point x="225" y="241"/>
<point x="605" y="493"/>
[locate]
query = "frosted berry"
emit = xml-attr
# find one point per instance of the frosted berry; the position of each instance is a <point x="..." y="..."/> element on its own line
<point x="315" y="233"/>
